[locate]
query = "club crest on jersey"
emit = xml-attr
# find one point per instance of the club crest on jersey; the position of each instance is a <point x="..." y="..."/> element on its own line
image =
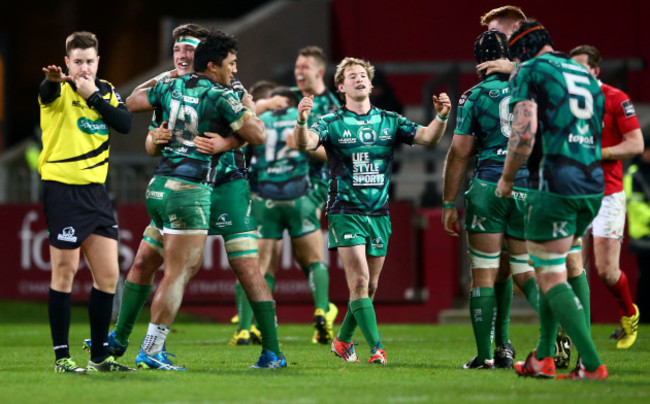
<point x="223" y="220"/>
<point x="367" y="136"/>
<point x="385" y="134"/>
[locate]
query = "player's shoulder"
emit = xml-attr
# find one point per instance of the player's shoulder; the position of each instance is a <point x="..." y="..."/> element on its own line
<point x="614" y="92"/>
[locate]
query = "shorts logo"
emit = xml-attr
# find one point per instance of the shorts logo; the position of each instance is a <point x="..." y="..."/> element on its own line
<point x="558" y="229"/>
<point x="378" y="243"/>
<point x="477" y="222"/>
<point x="154" y="195"/>
<point x="349" y="236"/>
<point x="223" y="221"/>
<point x="367" y="136"/>
<point x="307" y="225"/>
<point x="67" y="234"/>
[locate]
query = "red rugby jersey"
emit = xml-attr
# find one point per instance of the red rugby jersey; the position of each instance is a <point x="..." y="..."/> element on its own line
<point x="620" y="118"/>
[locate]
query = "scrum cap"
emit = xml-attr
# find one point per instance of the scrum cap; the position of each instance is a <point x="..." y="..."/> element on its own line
<point x="528" y="40"/>
<point x="491" y="45"/>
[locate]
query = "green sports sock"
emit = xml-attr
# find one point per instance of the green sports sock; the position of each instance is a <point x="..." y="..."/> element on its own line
<point x="270" y="280"/>
<point x="503" y="294"/>
<point x="244" y="310"/>
<point x="319" y="282"/>
<point x="364" y="313"/>
<point x="580" y="286"/>
<point x="133" y="300"/>
<point x="531" y="291"/>
<point x="348" y="326"/>
<point x="547" y="329"/>
<point x="569" y="311"/>
<point x="266" y="318"/>
<point x="482" y="311"/>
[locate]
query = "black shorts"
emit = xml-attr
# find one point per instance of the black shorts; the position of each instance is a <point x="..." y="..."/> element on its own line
<point x="73" y="212"/>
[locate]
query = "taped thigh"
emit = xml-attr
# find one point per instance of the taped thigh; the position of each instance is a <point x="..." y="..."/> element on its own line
<point x="153" y="237"/>
<point x="481" y="259"/>
<point x="241" y="245"/>
<point x="547" y="262"/>
<point x="519" y="264"/>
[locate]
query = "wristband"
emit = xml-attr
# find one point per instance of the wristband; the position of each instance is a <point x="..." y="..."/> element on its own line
<point x="302" y="124"/>
<point x="448" y="204"/>
<point x="442" y="118"/>
<point x="94" y="99"/>
<point x="249" y="109"/>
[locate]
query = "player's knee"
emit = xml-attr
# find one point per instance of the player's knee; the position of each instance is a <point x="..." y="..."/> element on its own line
<point x="481" y="259"/>
<point x="519" y="264"/>
<point x="242" y="245"/>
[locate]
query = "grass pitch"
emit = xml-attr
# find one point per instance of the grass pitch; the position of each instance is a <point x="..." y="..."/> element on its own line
<point x="423" y="367"/>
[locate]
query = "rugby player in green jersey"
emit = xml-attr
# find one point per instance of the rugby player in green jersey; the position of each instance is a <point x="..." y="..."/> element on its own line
<point x="482" y="130"/>
<point x="556" y="102"/>
<point x="359" y="140"/>
<point x="193" y="105"/>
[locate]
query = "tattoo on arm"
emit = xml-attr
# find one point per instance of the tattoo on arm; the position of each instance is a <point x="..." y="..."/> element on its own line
<point x="524" y="125"/>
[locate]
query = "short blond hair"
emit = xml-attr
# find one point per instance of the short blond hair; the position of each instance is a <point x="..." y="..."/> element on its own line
<point x="339" y="76"/>
<point x="513" y="12"/>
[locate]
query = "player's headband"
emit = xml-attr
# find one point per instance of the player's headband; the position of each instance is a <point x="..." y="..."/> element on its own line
<point x="189" y="40"/>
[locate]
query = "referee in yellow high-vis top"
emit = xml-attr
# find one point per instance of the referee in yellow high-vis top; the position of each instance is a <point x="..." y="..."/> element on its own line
<point x="77" y="112"/>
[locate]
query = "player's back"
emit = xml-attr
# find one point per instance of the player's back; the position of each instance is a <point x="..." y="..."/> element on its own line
<point x="570" y="107"/>
<point x="483" y="112"/>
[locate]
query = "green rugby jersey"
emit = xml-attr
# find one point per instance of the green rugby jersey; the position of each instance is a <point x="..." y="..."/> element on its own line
<point x="278" y="171"/>
<point x="192" y="105"/>
<point x="360" y="157"/>
<point x="484" y="112"/>
<point x="570" y="108"/>
<point x="324" y="103"/>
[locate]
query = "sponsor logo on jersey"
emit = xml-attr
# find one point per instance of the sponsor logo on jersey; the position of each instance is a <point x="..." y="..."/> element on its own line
<point x="177" y="94"/>
<point x="367" y="136"/>
<point x="235" y="104"/>
<point x="347" y="138"/>
<point x="92" y="127"/>
<point x="67" y="234"/>
<point x="190" y="100"/>
<point x="586" y="140"/>
<point x="385" y="134"/>
<point x="223" y="221"/>
<point x="365" y="173"/>
<point x="520" y="196"/>
<point x="628" y="108"/>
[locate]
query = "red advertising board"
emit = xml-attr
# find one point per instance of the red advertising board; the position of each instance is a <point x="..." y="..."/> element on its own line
<point x="26" y="268"/>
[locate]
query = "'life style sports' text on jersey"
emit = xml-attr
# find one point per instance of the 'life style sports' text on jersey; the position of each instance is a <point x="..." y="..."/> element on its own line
<point x="484" y="112"/>
<point x="192" y="105"/>
<point x="324" y="103"/>
<point x="570" y="110"/>
<point x="360" y="157"/>
<point x="75" y="136"/>
<point x="620" y="118"/>
<point x="278" y="171"/>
